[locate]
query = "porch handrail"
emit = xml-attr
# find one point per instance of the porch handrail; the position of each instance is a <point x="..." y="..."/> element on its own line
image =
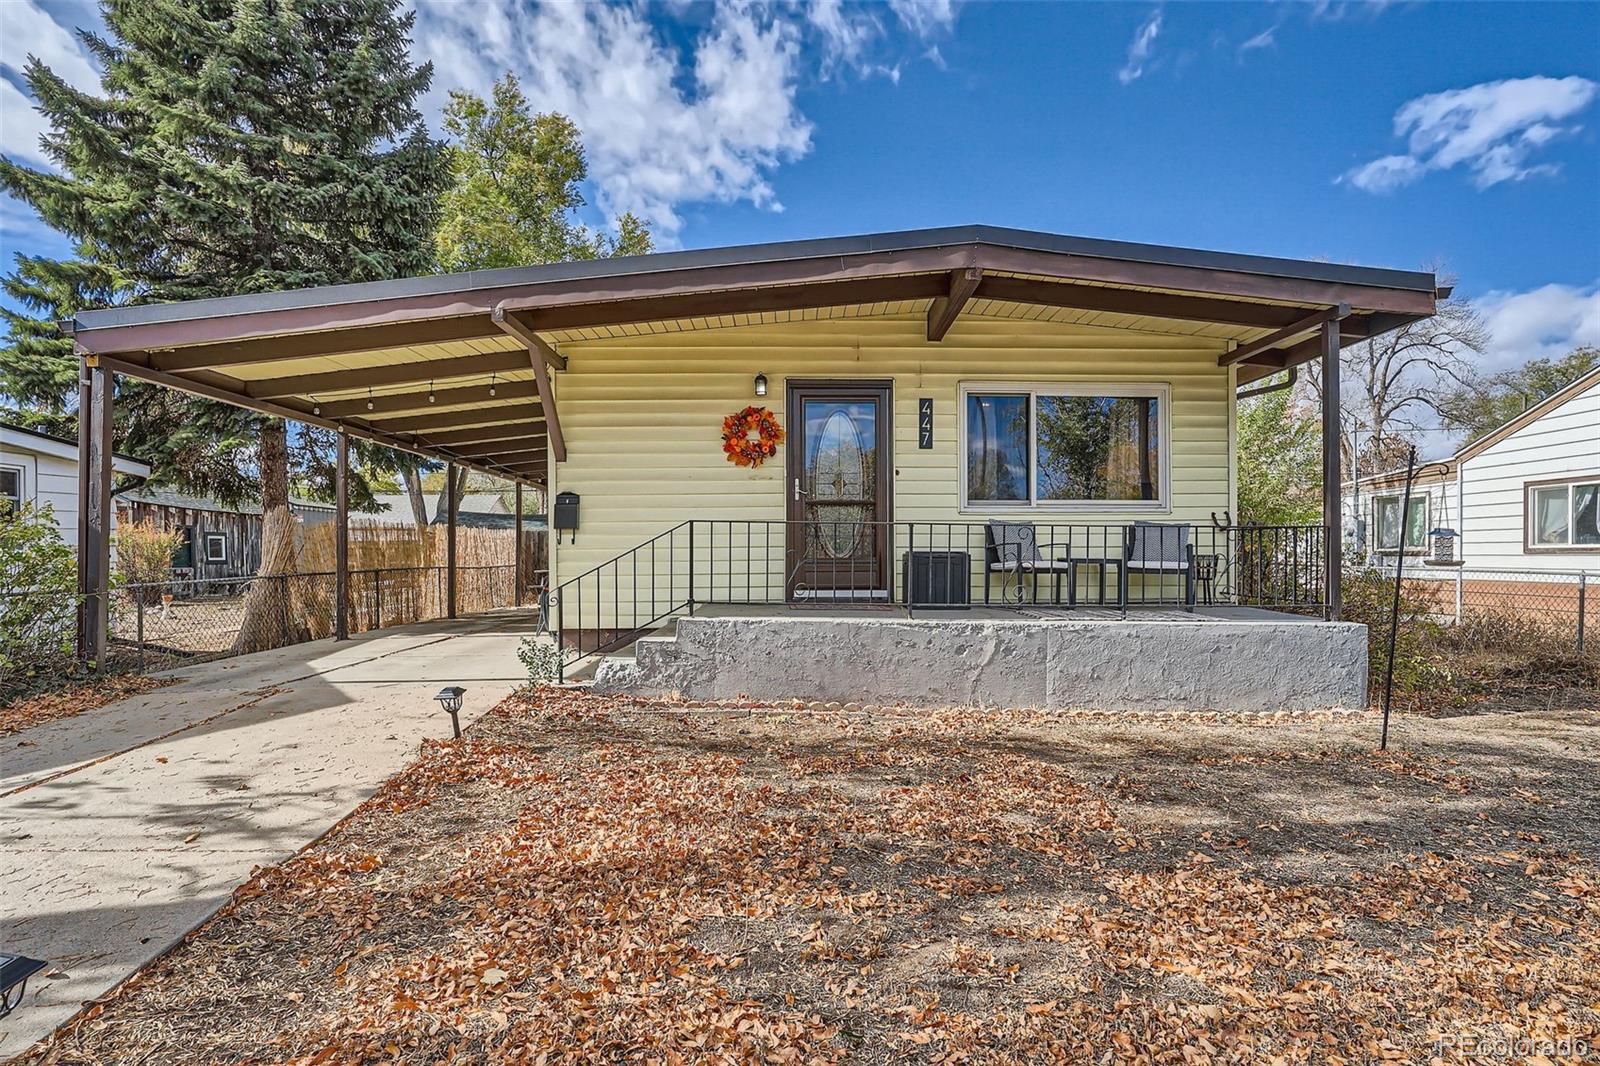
<point x="573" y="645"/>
<point x="922" y="565"/>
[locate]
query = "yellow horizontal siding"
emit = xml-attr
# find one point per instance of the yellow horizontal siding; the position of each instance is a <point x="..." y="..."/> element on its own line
<point x="643" y="416"/>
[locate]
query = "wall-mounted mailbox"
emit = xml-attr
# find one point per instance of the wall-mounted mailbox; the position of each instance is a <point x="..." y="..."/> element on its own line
<point x="566" y="515"/>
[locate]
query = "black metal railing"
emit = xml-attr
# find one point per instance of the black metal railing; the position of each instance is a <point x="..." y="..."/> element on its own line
<point x="929" y="565"/>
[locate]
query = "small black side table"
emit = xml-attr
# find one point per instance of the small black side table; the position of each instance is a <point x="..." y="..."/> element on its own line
<point x="1101" y="563"/>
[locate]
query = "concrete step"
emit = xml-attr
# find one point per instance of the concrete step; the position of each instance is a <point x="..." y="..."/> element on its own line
<point x="648" y="657"/>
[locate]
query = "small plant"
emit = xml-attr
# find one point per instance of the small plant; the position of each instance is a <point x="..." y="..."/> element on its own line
<point x="144" y="556"/>
<point x="541" y="658"/>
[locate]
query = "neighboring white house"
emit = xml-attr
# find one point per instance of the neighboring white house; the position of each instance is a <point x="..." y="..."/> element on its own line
<point x="1523" y="497"/>
<point x="482" y="510"/>
<point x="39" y="469"/>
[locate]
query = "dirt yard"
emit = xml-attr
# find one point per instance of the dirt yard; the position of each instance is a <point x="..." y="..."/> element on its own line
<point x="586" y="879"/>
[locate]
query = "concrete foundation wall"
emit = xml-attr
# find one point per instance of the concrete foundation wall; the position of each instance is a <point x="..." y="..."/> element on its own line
<point x="1100" y="665"/>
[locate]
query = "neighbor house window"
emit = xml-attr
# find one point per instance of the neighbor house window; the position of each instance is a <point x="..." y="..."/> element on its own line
<point x="216" y="548"/>
<point x="1564" y="515"/>
<point x="1084" y="446"/>
<point x="183" y="555"/>
<point x="10" y="490"/>
<point x="1388" y="520"/>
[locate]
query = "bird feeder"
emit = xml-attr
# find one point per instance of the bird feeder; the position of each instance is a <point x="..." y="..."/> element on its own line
<point x="1444" y="548"/>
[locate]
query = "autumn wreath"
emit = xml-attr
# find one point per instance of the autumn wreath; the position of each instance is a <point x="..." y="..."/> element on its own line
<point x="744" y="449"/>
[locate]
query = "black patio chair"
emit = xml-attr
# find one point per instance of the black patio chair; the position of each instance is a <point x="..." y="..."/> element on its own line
<point x="1159" y="548"/>
<point x="1011" y="549"/>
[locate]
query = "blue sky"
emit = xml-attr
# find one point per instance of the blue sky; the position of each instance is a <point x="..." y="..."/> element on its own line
<point x="1462" y="136"/>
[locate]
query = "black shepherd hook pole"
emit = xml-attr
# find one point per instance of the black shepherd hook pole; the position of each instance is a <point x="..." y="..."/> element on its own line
<point x="1394" y="612"/>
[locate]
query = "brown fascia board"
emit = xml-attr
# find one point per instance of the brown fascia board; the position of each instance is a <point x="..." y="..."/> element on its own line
<point x="157" y="326"/>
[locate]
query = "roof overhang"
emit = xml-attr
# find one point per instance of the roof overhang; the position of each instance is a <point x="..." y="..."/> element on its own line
<point x="21" y="439"/>
<point x="457" y="367"/>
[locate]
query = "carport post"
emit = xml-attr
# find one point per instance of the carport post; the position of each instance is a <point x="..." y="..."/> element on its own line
<point x="341" y="542"/>
<point x="451" y="472"/>
<point x="94" y="542"/>
<point x="1332" y="490"/>
<point x="516" y="552"/>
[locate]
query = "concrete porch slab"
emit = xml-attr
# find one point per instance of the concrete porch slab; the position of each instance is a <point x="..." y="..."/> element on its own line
<point x="1219" y="659"/>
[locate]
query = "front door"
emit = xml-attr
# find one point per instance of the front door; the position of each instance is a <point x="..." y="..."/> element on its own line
<point x="840" y="468"/>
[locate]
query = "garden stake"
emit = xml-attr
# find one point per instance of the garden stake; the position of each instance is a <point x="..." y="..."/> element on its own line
<point x="1394" y="613"/>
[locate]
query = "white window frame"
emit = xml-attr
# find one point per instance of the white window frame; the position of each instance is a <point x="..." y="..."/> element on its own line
<point x="1161" y="392"/>
<point x="1530" y="544"/>
<point x="22" y="485"/>
<point x="1377" y="524"/>
<point x="216" y="538"/>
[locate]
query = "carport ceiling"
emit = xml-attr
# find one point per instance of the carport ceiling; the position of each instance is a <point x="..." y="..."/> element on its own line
<point x="457" y="367"/>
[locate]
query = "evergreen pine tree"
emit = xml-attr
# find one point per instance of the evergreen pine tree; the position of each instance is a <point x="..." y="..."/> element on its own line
<point x="236" y="146"/>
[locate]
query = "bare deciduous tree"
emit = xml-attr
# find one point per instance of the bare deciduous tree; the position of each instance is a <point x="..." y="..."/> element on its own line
<point x="1395" y="385"/>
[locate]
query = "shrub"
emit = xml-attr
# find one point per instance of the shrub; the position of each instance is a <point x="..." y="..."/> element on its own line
<point x="38" y="600"/>
<point x="144" y="556"/>
<point x="1440" y="663"/>
<point x="540" y="657"/>
<point x="1418" y="666"/>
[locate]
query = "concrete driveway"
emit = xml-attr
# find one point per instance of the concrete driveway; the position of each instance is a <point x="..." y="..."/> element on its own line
<point x="124" y="828"/>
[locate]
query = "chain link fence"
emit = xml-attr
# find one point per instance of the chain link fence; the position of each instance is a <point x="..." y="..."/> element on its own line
<point x="1561" y="604"/>
<point x="160" y="625"/>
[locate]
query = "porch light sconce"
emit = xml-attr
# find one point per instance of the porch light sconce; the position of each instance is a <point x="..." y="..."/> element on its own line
<point x="450" y="699"/>
<point x="761" y="384"/>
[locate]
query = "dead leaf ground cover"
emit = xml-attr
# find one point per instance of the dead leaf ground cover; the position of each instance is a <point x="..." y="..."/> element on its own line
<point x="25" y="712"/>
<point x="589" y="879"/>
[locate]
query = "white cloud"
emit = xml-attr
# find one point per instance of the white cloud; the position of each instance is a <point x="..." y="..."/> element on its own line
<point x="22" y="126"/>
<point x="846" y="32"/>
<point x="26" y="29"/>
<point x="1491" y="129"/>
<point x="924" y="18"/>
<point x="1386" y="174"/>
<point x="676" y="107"/>
<point x="1335" y="10"/>
<point x="1547" y="322"/>
<point x="661" y="128"/>
<point x="849" y="32"/>
<point x="1265" y="39"/>
<point x="668" y="122"/>
<point x="1140" y="47"/>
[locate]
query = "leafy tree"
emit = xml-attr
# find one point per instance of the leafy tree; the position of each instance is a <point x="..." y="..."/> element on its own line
<point x="515" y="188"/>
<point x="1280" y="462"/>
<point x="39" y="372"/>
<point x="1489" y="404"/>
<point x="236" y="146"/>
